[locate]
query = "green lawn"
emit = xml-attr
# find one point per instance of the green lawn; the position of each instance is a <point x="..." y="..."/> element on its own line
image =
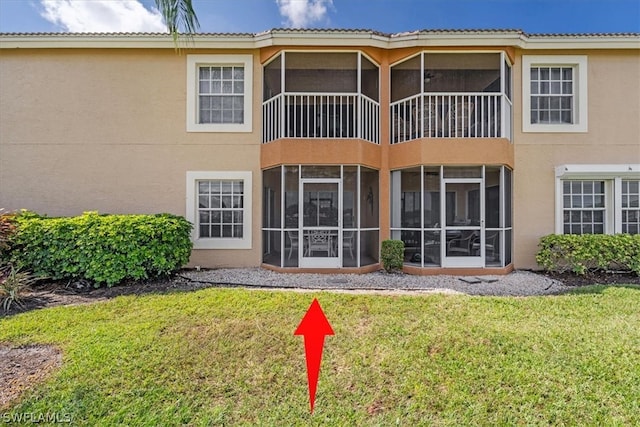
<point x="228" y="356"/>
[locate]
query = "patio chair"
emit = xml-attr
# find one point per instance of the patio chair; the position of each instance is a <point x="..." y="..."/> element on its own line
<point x="459" y="119"/>
<point x="319" y="241"/>
<point x="461" y="246"/>
<point x="348" y="242"/>
<point x="429" y="118"/>
<point x="293" y="239"/>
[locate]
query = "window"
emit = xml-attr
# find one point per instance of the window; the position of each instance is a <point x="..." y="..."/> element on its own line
<point x="631" y="206"/>
<point x="219" y="207"/>
<point x="598" y="199"/>
<point x="554" y="93"/>
<point x="219" y="93"/>
<point x="583" y="207"/>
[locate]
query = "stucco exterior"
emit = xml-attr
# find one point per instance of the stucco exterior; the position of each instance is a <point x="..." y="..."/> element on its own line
<point x="97" y="123"/>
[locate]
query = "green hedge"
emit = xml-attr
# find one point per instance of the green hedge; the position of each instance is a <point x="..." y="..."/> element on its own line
<point x="392" y="255"/>
<point x="104" y="249"/>
<point x="589" y="252"/>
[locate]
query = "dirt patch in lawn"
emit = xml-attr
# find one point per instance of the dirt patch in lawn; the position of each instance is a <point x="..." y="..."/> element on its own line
<point x="22" y="368"/>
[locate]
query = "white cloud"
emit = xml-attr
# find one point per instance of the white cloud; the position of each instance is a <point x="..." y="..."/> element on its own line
<point x="102" y="16"/>
<point x="302" y="13"/>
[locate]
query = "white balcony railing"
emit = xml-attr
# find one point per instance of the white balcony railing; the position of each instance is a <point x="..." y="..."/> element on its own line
<point x="321" y="116"/>
<point x="451" y="115"/>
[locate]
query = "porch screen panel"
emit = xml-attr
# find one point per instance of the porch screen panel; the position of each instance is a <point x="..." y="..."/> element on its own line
<point x="321" y="72"/>
<point x="273" y="78"/>
<point x="369" y="79"/>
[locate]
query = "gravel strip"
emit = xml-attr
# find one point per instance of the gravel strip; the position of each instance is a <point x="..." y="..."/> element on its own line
<point x="518" y="283"/>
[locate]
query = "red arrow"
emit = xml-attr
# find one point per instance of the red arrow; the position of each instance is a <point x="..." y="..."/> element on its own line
<point x="314" y="326"/>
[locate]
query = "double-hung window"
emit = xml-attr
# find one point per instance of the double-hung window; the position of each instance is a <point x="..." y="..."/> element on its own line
<point x="631" y="206"/>
<point x="219" y="207"/>
<point x="583" y="206"/>
<point x="219" y="93"/>
<point x="554" y="93"/>
<point x="598" y="199"/>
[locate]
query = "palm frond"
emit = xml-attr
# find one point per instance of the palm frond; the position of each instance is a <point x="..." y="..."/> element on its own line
<point x="179" y="16"/>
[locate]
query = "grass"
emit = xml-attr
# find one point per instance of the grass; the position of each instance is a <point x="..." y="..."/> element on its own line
<point x="229" y="356"/>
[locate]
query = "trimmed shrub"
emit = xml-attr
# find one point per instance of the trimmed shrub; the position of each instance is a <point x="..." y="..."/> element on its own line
<point x="7" y="231"/>
<point x="392" y="255"/>
<point x="589" y="252"/>
<point x="104" y="249"/>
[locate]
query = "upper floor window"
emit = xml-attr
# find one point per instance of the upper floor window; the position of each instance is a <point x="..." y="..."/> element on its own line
<point x="219" y="93"/>
<point x="555" y="93"/>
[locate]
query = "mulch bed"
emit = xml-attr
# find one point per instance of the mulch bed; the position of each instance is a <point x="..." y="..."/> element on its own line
<point x="599" y="278"/>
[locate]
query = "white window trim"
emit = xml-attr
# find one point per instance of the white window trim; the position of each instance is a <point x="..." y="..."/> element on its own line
<point x="192" y="209"/>
<point x="580" y="88"/>
<point x="193" y="63"/>
<point x="612" y="175"/>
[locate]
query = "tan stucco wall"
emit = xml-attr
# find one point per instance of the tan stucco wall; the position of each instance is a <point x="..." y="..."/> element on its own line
<point x="613" y="137"/>
<point x="105" y="130"/>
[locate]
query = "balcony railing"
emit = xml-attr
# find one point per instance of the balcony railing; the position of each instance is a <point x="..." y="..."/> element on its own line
<point x="451" y="115"/>
<point x="321" y="116"/>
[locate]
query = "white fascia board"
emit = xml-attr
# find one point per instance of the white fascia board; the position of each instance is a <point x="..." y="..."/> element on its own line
<point x="123" y="42"/>
<point x="583" y="43"/>
<point x="576" y="171"/>
<point x="455" y="39"/>
<point x="337" y="40"/>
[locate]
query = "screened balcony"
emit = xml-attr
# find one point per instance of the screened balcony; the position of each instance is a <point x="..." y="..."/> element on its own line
<point x="451" y="95"/>
<point x="321" y="95"/>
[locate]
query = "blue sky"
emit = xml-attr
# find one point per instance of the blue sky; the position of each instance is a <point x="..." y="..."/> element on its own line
<point x="391" y="16"/>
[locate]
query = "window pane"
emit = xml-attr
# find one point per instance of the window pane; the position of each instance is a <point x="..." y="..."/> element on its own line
<point x="534" y="73"/>
<point x="544" y="87"/>
<point x="544" y="74"/>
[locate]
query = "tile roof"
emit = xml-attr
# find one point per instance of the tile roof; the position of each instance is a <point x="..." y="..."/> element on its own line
<point x="330" y="31"/>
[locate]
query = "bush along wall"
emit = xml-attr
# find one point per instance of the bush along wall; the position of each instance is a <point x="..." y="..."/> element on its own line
<point x="392" y="255"/>
<point x="104" y="249"/>
<point x="589" y="252"/>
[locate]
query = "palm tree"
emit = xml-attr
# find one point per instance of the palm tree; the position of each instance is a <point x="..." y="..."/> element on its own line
<point x="179" y="17"/>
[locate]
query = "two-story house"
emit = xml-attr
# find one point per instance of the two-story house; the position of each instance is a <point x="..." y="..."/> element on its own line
<point x="302" y="150"/>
